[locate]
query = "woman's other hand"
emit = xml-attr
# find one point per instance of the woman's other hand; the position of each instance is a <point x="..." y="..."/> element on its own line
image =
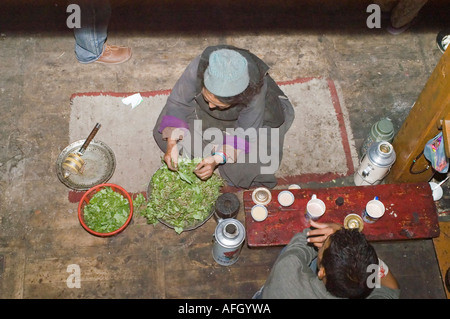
<point x="206" y="167"/>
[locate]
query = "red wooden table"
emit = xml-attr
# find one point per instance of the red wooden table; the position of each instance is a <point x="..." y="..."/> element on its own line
<point x="410" y="213"/>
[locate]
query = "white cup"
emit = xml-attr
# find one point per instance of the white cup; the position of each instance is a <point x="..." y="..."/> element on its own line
<point x="286" y="198"/>
<point x="436" y="190"/>
<point x="374" y="211"/>
<point x="315" y="208"/>
<point x="259" y="212"/>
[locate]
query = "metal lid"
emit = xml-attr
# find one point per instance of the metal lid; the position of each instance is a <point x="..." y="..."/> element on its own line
<point x="382" y="130"/>
<point x="385" y="126"/>
<point x="381" y="154"/>
<point x="353" y="221"/>
<point x="230" y="233"/>
<point x="262" y="196"/>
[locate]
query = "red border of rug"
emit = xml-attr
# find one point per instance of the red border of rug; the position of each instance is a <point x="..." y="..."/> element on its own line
<point x="75" y="196"/>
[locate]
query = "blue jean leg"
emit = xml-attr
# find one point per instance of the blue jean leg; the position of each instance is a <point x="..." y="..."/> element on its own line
<point x="90" y="38"/>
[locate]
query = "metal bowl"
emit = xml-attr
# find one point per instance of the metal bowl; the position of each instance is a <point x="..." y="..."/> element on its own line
<point x="191" y="227"/>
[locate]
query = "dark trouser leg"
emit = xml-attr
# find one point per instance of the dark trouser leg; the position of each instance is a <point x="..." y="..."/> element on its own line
<point x="246" y="174"/>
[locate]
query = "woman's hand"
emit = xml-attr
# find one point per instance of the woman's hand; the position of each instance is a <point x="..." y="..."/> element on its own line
<point x="320" y="234"/>
<point x="171" y="155"/>
<point x="206" y="167"/>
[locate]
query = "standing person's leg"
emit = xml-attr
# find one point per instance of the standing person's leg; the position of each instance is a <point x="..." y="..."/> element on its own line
<point x="90" y="39"/>
<point x="402" y="13"/>
<point x="386" y="5"/>
<point x="405" y="11"/>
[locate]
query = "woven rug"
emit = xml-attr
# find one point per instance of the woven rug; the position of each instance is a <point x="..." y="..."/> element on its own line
<point x="318" y="147"/>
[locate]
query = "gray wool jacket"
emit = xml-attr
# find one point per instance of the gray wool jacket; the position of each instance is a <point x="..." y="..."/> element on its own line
<point x="269" y="108"/>
<point x="292" y="278"/>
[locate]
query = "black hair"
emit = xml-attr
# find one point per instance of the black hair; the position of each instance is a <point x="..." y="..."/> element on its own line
<point x="346" y="262"/>
<point x="245" y="97"/>
<point x="242" y="98"/>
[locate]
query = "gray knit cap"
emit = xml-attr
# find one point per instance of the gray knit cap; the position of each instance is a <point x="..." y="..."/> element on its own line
<point x="227" y="73"/>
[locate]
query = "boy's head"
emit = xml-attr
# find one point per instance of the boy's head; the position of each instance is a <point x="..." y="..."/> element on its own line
<point x="343" y="262"/>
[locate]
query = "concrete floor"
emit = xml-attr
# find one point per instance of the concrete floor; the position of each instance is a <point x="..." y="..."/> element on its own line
<point x="380" y="75"/>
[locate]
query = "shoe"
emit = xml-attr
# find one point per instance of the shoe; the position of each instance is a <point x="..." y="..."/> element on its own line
<point x="113" y="54"/>
<point x="443" y="40"/>
<point x="396" y="31"/>
<point x="399" y="30"/>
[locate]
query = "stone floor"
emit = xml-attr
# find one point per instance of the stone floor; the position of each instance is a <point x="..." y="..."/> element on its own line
<point x="381" y="75"/>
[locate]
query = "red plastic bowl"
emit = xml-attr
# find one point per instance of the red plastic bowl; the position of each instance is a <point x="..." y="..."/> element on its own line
<point x="86" y="198"/>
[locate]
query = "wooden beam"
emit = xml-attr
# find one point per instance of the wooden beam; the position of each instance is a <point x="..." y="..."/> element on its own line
<point x="432" y="106"/>
<point x="446" y="134"/>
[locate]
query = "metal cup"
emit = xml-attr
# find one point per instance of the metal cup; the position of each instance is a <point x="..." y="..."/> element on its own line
<point x="315" y="208"/>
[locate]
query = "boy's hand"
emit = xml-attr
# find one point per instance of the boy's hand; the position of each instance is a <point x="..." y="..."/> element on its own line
<point x="320" y="234"/>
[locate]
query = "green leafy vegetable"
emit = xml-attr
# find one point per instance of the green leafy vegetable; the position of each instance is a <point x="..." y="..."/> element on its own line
<point x="184" y="177"/>
<point x="180" y="199"/>
<point x="107" y="211"/>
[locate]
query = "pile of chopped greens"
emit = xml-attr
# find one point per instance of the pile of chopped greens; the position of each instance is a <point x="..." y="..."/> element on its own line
<point x="179" y="199"/>
<point x="107" y="211"/>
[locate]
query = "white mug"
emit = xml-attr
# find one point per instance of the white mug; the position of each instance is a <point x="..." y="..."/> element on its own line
<point x="315" y="208"/>
<point x="374" y="211"/>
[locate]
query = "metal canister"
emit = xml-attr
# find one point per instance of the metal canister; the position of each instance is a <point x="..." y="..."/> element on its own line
<point x="228" y="240"/>
<point x="375" y="165"/>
